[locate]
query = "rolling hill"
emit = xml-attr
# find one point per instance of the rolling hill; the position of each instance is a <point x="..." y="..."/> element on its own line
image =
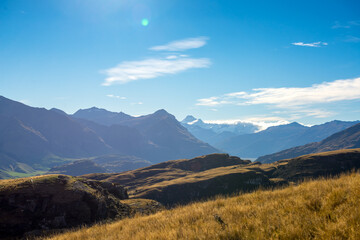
<point x="322" y="209"/>
<point x="60" y="201"/>
<point x="183" y="181"/>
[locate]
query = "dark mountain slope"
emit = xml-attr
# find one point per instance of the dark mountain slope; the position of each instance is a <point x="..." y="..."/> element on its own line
<point x="164" y="130"/>
<point x="63" y="136"/>
<point x="156" y="137"/>
<point x="123" y="139"/>
<point x="348" y="138"/>
<point x="36" y="138"/>
<point x="77" y="168"/>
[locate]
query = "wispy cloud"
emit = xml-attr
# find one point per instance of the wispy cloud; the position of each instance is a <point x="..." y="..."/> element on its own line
<point x="173" y="63"/>
<point x="348" y="24"/>
<point x="300" y="100"/>
<point x="151" y="68"/>
<point x="339" y="90"/>
<point x="352" y="39"/>
<point x="182" y="45"/>
<point x="314" y="44"/>
<point x="114" y="96"/>
<point x="137" y="103"/>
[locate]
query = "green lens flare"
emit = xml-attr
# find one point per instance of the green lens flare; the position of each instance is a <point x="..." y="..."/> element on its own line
<point x="144" y="22"/>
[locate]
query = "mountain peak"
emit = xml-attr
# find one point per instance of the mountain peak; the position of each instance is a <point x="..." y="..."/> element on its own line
<point x="58" y="111"/>
<point x="161" y="112"/>
<point x="188" y="119"/>
<point x="295" y="124"/>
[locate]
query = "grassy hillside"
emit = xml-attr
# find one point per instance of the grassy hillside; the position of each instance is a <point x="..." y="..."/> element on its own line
<point x="48" y="202"/>
<point x="183" y="181"/>
<point x="321" y="209"/>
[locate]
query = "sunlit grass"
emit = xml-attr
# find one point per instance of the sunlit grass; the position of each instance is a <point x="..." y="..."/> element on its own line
<point x="24" y="175"/>
<point x="322" y="209"/>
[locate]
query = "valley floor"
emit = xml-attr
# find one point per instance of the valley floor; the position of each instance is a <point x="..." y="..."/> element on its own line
<point x="321" y="209"/>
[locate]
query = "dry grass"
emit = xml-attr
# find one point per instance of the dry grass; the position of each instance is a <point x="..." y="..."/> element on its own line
<point x="15" y="183"/>
<point x="322" y="209"/>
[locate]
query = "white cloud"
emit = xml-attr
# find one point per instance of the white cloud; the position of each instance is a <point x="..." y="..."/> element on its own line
<point x="137" y="103"/>
<point x="299" y="100"/>
<point x="211" y="101"/>
<point x="172" y="57"/>
<point x="114" y="96"/>
<point x="262" y="122"/>
<point x="352" y="39"/>
<point x="151" y="68"/>
<point x="182" y="45"/>
<point x="325" y="92"/>
<point x="314" y="44"/>
<point x="128" y="71"/>
<point x="349" y="24"/>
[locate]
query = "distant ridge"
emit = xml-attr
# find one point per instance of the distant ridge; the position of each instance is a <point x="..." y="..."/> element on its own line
<point x="346" y="139"/>
<point x="278" y="138"/>
<point x="102" y="116"/>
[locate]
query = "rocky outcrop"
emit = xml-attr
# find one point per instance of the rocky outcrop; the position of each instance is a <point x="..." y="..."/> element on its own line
<point x="57" y="201"/>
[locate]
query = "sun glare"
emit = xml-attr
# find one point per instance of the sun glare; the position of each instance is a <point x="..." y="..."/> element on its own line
<point x="144" y="22"/>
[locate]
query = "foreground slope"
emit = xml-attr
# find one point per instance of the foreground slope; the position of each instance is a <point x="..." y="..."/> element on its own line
<point x="183" y="181"/>
<point x="346" y="139"/>
<point x="322" y="209"/>
<point x="59" y="201"/>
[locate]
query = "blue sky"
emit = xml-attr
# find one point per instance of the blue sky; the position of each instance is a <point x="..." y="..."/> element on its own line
<point x="217" y="60"/>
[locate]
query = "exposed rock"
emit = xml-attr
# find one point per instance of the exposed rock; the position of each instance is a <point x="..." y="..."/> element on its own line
<point x="57" y="201"/>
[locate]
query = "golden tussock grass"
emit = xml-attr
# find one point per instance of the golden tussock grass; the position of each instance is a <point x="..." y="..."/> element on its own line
<point x="321" y="209"/>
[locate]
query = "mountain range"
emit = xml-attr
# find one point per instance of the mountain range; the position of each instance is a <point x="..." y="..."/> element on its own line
<point x="215" y="133"/>
<point x="244" y="139"/>
<point x="37" y="139"/>
<point x="34" y="140"/>
<point x="346" y="139"/>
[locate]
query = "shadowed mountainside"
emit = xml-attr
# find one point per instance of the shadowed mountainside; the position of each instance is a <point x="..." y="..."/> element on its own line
<point x="346" y="139"/>
<point x="102" y="116"/>
<point x="104" y="164"/>
<point x="36" y="139"/>
<point x="155" y="137"/>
